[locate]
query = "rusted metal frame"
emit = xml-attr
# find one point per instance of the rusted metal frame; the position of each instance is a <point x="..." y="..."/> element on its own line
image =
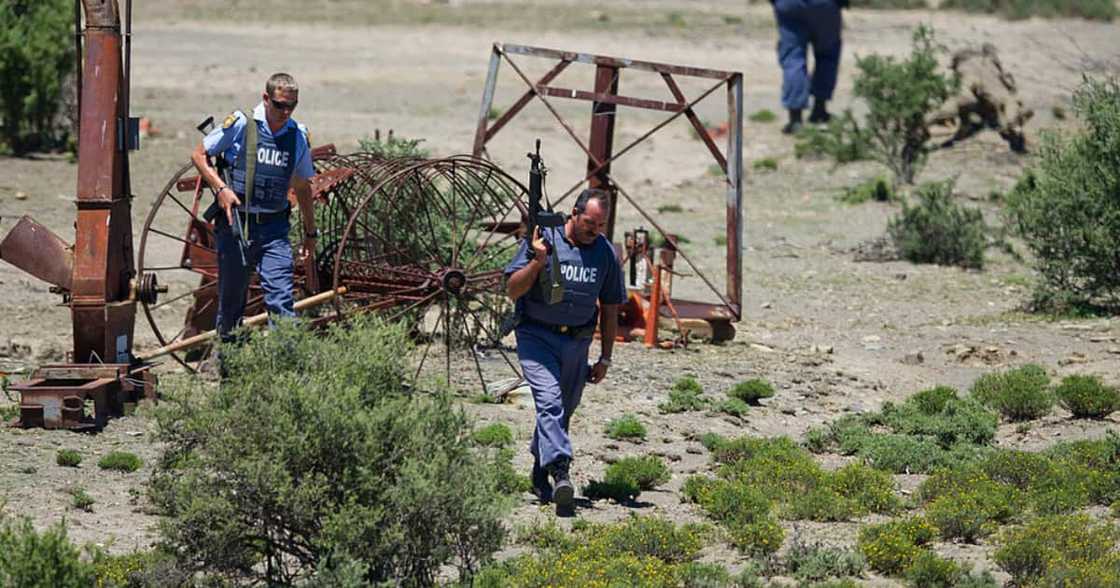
<point x="36" y="250"/>
<point x="478" y="205"/>
<point x="723" y="298"/>
<point x="602" y="137"/>
<point x="735" y="194"/>
<point x="635" y="142"/>
<point x="696" y="124"/>
<point x="517" y="106"/>
<point x="487" y="100"/>
<point x="552" y="109"/>
<point x="643" y="103"/>
<point x="615" y="61"/>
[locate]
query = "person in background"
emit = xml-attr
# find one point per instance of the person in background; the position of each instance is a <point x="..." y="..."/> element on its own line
<point x="802" y="23"/>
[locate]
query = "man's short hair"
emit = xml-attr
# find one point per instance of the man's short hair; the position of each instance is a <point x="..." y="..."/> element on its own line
<point x="280" y="81"/>
<point x="590" y="194"/>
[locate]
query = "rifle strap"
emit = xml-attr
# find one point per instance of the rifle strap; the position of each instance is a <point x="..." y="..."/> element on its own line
<point x="250" y="164"/>
<point x="552" y="283"/>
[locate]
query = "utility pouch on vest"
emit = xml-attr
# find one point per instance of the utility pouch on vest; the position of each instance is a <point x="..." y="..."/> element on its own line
<point x="552" y="282"/>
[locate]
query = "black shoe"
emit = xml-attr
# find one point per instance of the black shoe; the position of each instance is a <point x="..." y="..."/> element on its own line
<point x="542" y="488"/>
<point x="563" y="493"/>
<point x="794" y="123"/>
<point x="819" y="114"/>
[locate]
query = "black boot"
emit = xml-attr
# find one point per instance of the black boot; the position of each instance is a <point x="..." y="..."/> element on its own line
<point x="541" y="486"/>
<point x="563" y="493"/>
<point x="819" y="115"/>
<point x="794" y="123"/>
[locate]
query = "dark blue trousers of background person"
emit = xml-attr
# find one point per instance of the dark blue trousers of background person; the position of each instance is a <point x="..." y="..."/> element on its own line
<point x="555" y="366"/>
<point x="270" y="252"/>
<point x="802" y="23"/>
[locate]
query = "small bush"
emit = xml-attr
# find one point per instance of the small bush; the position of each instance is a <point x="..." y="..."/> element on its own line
<point x="973" y="514"/>
<point x="938" y="231"/>
<point x="892" y="547"/>
<point x="765" y="164"/>
<point x="493" y="435"/>
<point x="815" y="562"/>
<point x="121" y="461"/>
<point x="842" y="141"/>
<point x="625" y="479"/>
<point x="1018" y="394"/>
<point x="704" y="575"/>
<point x="33" y="559"/>
<point x="877" y="189"/>
<point x="685" y="395"/>
<point x="763" y="116"/>
<point x="80" y="499"/>
<point x="733" y="407"/>
<point x="1050" y="543"/>
<point x="899" y="96"/>
<point x="902" y="454"/>
<point x="1020" y="9"/>
<point x="933" y="400"/>
<point x="138" y="569"/>
<point x="669" y="208"/>
<point x="393" y="147"/>
<point x="68" y="458"/>
<point x="751" y="391"/>
<point x="1067" y="212"/>
<point x="929" y="570"/>
<point x="1087" y="397"/>
<point x="742" y="510"/>
<point x="889" y="4"/>
<point x="626" y="427"/>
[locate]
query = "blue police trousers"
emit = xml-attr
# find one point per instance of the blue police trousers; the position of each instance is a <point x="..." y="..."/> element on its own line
<point x="801" y="23"/>
<point x="556" y="368"/>
<point x="270" y="252"/>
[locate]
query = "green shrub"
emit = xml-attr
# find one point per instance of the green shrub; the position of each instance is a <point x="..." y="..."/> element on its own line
<point x="704" y="575"/>
<point x="932" y="401"/>
<point x="315" y="440"/>
<point x="891" y="547"/>
<point x="36" y="57"/>
<point x="80" y="499"/>
<point x="765" y="164"/>
<point x="1087" y="397"/>
<point x="684" y="396"/>
<point x="902" y="454"/>
<point x="138" y="569"/>
<point x="733" y="407"/>
<point x="877" y="189"/>
<point x="763" y="116"/>
<point x="972" y="514"/>
<point x="1021" y="9"/>
<point x="929" y="570"/>
<point x="1066" y="209"/>
<point x="842" y="141"/>
<point x="493" y="435"/>
<point x="872" y="490"/>
<point x="543" y="535"/>
<point x="649" y="536"/>
<point x="751" y="391"/>
<point x="889" y="4"/>
<point x="812" y="562"/>
<point x="68" y="458"/>
<point x="938" y="231"/>
<point x="507" y="479"/>
<point x="669" y="208"/>
<point x="899" y="95"/>
<point x="121" y="461"/>
<point x="626" y="478"/>
<point x="1018" y="394"/>
<point x="34" y="559"/>
<point x="1050" y="543"/>
<point x="626" y="427"/>
<point x="958" y="420"/>
<point x="393" y="147"/>
<point x="742" y="510"/>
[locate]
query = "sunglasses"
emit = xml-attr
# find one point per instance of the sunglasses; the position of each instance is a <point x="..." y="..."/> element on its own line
<point x="285" y="106"/>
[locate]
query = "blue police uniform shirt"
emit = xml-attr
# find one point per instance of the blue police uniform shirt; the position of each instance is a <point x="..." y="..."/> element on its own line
<point x="591" y="274"/>
<point x="229" y="142"/>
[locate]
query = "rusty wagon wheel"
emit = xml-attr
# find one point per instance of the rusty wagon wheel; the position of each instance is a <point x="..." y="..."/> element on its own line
<point x="428" y="245"/>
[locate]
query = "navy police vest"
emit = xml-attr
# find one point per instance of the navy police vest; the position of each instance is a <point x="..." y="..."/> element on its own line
<point x="276" y="160"/>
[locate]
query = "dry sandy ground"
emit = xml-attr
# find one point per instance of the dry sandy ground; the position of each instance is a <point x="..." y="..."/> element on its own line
<point x="419" y="69"/>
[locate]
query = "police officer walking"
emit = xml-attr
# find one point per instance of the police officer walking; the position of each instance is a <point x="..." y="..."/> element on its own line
<point x="801" y="23"/>
<point x="553" y="338"/>
<point x="252" y="227"/>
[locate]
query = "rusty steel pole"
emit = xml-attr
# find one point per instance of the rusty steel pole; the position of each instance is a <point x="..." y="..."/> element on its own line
<point x="601" y="141"/>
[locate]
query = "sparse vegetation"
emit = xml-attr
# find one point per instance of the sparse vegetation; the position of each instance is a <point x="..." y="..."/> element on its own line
<point x="120" y="461"/>
<point x="68" y="458"/>
<point x="685" y="395"/>
<point x="733" y="407"/>
<point x="34" y="559"/>
<point x="1067" y="212"/>
<point x="762" y="116"/>
<point x="626" y="427"/>
<point x="628" y="477"/>
<point x="813" y="562"/>
<point x="1018" y="394"/>
<point x="80" y="499"/>
<point x="842" y="141"/>
<point x="889" y="4"/>
<point x="877" y="189"/>
<point x="1021" y="9"/>
<point x="765" y="164"/>
<point x="892" y="547"/>
<point x="751" y="391"/>
<point x="936" y="230"/>
<point x="493" y="435"/>
<point x="1087" y="397"/>
<point x="669" y="208"/>
<point x="1065" y="547"/>
<point x="393" y="147"/>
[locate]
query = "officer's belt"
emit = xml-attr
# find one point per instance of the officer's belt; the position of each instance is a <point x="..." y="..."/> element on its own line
<point x="576" y="332"/>
<point x="262" y="218"/>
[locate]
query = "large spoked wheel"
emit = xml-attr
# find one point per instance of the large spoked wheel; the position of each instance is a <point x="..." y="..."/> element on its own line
<point x="427" y="246"/>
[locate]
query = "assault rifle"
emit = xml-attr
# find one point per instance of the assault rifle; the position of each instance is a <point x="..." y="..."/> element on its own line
<point x="551" y="282"/>
<point x="212" y="211"/>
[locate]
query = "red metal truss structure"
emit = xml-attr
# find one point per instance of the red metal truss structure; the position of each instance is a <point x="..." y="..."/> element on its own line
<point x="600" y="149"/>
